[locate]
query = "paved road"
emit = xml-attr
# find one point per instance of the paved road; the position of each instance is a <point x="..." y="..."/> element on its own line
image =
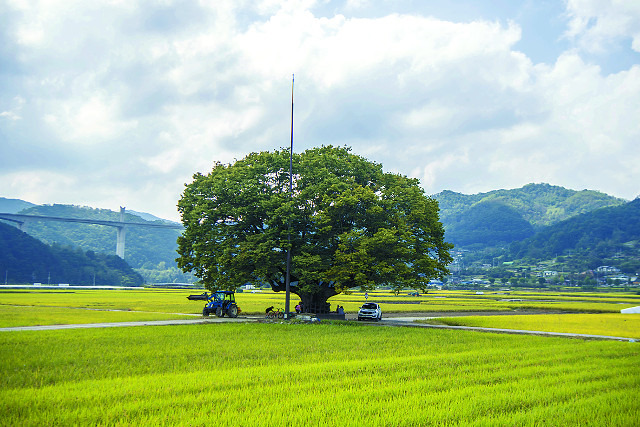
<point x="404" y="321"/>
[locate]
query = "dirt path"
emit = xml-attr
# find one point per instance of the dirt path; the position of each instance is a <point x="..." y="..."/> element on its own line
<point x="410" y="322"/>
<point x="396" y="321"/>
<point x="125" y="324"/>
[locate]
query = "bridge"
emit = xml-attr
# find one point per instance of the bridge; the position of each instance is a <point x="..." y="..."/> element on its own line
<point x="121" y="226"/>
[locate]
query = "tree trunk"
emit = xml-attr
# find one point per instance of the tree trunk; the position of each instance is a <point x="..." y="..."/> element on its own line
<point x="315" y="303"/>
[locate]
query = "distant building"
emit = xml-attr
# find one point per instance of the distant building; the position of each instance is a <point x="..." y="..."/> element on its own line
<point x="607" y="269"/>
<point x="621" y="278"/>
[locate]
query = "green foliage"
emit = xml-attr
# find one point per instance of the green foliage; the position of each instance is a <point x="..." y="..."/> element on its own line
<point x="538" y="204"/>
<point x="593" y="235"/>
<point x="489" y="223"/>
<point x="13" y="205"/>
<point x="351" y="225"/>
<point x="27" y="260"/>
<point x="143" y="245"/>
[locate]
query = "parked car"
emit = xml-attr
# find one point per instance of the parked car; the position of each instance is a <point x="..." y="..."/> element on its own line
<point x="370" y="310"/>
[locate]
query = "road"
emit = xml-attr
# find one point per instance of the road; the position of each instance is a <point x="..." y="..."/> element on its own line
<point x="400" y="321"/>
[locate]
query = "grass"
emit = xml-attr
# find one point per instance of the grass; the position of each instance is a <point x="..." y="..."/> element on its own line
<point x="300" y="374"/>
<point x="469" y="301"/>
<point x="57" y="306"/>
<point x="150" y="300"/>
<point x="11" y="316"/>
<point x="610" y="324"/>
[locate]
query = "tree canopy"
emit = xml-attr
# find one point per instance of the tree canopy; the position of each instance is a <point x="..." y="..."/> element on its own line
<point x="350" y="225"/>
<point x="488" y="223"/>
<point x="24" y="259"/>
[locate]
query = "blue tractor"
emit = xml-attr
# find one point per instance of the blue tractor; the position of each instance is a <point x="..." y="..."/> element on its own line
<point x="219" y="303"/>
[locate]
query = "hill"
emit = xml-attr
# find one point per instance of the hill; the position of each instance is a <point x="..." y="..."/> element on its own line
<point x="151" y="252"/>
<point x="25" y="259"/>
<point x="505" y="216"/>
<point x="612" y="233"/>
<point x="143" y="246"/>
<point x="539" y="204"/>
<point x="13" y="205"/>
<point x="488" y="224"/>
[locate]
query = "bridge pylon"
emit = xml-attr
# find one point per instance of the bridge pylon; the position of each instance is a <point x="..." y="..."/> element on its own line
<point x="121" y="231"/>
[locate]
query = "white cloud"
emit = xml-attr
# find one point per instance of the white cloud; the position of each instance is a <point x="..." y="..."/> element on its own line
<point x="135" y="98"/>
<point x="10" y="115"/>
<point x="599" y="23"/>
<point x="91" y="120"/>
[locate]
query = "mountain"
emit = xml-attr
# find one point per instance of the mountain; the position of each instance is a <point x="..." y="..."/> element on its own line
<point x="481" y="221"/>
<point x="144" y="247"/>
<point x="612" y="232"/>
<point x="25" y="259"/>
<point x="150" y="251"/>
<point x="150" y="217"/>
<point x="540" y="204"/>
<point x="489" y="224"/>
<point x="477" y="219"/>
<point x="13" y="205"/>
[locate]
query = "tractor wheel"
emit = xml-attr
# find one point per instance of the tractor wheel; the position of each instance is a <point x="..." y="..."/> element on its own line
<point x="205" y="312"/>
<point x="232" y="311"/>
<point x="219" y="312"/>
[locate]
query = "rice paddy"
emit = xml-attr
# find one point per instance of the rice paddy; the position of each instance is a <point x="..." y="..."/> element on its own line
<point x="46" y="306"/>
<point x="609" y="324"/>
<point x="340" y="373"/>
<point x="304" y="374"/>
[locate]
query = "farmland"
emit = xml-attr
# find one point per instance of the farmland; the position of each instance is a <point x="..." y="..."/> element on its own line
<point x="337" y="373"/>
<point x="303" y="374"/>
<point x="611" y="324"/>
<point x="45" y="306"/>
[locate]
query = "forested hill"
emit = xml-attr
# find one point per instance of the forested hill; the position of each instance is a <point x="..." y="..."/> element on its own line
<point x="594" y="234"/>
<point x="539" y="204"/>
<point x="24" y="260"/>
<point x="503" y="216"/>
<point x="487" y="224"/>
<point x="13" y="205"/>
<point x="145" y="247"/>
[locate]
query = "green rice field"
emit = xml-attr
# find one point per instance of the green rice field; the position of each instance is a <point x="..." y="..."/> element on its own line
<point x="341" y="374"/>
<point x="27" y="307"/>
<point x="609" y="324"/>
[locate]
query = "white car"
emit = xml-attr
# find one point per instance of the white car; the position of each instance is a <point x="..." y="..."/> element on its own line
<point x="370" y="310"/>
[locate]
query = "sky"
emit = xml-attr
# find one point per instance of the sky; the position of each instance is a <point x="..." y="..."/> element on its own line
<point x="109" y="103"/>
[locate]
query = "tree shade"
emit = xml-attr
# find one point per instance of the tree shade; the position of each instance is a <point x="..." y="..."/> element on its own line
<point x="351" y="225"/>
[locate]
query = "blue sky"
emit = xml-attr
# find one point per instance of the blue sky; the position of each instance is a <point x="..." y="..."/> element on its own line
<point x="111" y="103"/>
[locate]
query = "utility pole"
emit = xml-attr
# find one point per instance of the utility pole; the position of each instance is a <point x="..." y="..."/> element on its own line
<point x="287" y="298"/>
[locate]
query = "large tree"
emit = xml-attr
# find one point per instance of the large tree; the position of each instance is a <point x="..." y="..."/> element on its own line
<point x="349" y="225"/>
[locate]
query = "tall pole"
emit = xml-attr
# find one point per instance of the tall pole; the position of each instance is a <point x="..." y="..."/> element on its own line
<point x="287" y="298"/>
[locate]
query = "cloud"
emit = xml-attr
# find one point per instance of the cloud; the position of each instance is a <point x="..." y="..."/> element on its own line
<point x="597" y="24"/>
<point x="121" y="102"/>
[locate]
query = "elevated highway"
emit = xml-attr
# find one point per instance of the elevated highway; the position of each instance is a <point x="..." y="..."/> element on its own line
<point x="121" y="226"/>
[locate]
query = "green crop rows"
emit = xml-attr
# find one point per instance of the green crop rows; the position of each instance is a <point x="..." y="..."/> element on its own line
<point x="610" y="324"/>
<point x="305" y="374"/>
<point x="43" y="307"/>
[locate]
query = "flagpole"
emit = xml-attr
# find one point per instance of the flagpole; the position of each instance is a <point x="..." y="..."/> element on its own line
<point x="287" y="298"/>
